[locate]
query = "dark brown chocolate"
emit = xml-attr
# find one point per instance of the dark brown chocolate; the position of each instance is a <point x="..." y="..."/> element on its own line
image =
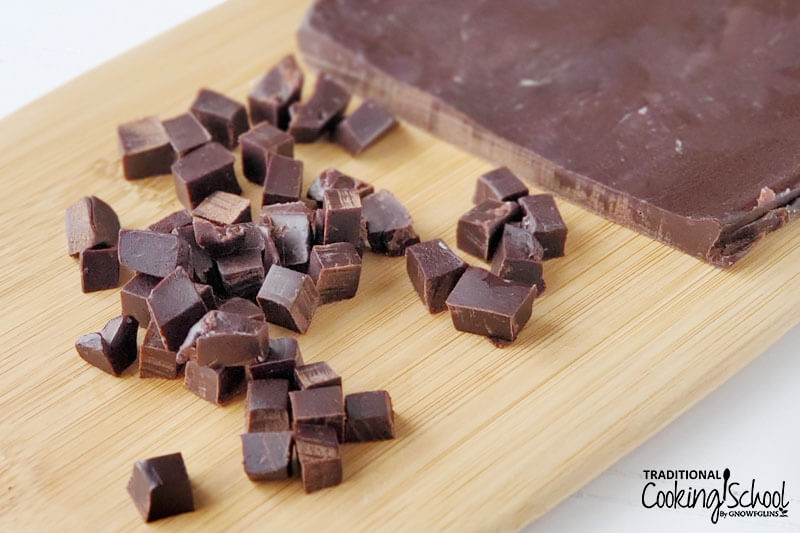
<point x="330" y="178"/>
<point x="224" y="208"/>
<point x="267" y="405"/>
<point x="224" y="118"/>
<point x="225" y="339"/>
<point x="342" y="216"/>
<point x="320" y="113"/>
<point x="186" y="133"/>
<point x="542" y="218"/>
<point x="206" y="293"/>
<point x="284" y="356"/>
<point x="203" y="171"/>
<point x="99" y="269"/>
<point x="390" y="229"/>
<point x="364" y="126"/>
<point x="160" y="487"/>
<point x="290" y="227"/>
<point x="479" y="229"/>
<point x="336" y="270"/>
<point x="280" y="87"/>
<point x="499" y="184"/>
<point x="91" y="223"/>
<point x="112" y="349"/>
<point x="434" y="269"/>
<point x="369" y="416"/>
<point x="175" y="220"/>
<point x="242" y="307"/>
<point x="203" y="268"/>
<point x="519" y="258"/>
<point x="148" y="252"/>
<point x="283" y="180"/>
<point x="174" y="307"/>
<point x="242" y="273"/>
<point x="218" y="240"/>
<point x="267" y="456"/>
<point x="257" y="144"/>
<point x="322" y="406"/>
<point x="316" y="375"/>
<point x="289" y="298"/>
<point x="145" y="148"/>
<point x="216" y="385"/>
<point x="319" y="456"/>
<point x="133" y="297"/>
<point x="155" y="361"/>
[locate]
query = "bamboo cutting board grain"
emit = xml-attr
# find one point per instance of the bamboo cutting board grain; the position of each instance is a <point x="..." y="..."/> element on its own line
<point x="628" y="335"/>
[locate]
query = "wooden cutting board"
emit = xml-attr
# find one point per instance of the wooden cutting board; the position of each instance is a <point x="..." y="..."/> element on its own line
<point x="628" y="335"/>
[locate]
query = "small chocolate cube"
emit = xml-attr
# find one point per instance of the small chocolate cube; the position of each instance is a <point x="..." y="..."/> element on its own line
<point x="284" y="356"/>
<point x="480" y="228"/>
<point x="434" y="269"/>
<point x="206" y="293"/>
<point x="364" y="126"/>
<point x="113" y="349"/>
<point x="148" y="252"/>
<point x="542" y="218"/>
<point x="160" y="487"/>
<point x="257" y="144"/>
<point x="91" y="223"/>
<point x="323" y="406"/>
<point x="203" y="171"/>
<point x="224" y="118"/>
<point x="342" y="216"/>
<point x="171" y="222"/>
<point x="268" y="455"/>
<point x="217" y="240"/>
<point x="225" y="339"/>
<point x="224" y="208"/>
<point x="203" y="269"/>
<point x="133" y="297"/>
<point x="267" y="405"/>
<point x="99" y="269"/>
<point x="242" y="307"/>
<point x="499" y="184"/>
<point x="319" y="456"/>
<point x="519" y="258"/>
<point x="289" y="298"/>
<point x="145" y="148"/>
<point x="390" y="229"/>
<point x="186" y="133"/>
<point x="369" y="416"/>
<point x="283" y="181"/>
<point x="320" y="113"/>
<point x="155" y="361"/>
<point x="174" y="307"/>
<point x="316" y="375"/>
<point x="291" y="232"/>
<point x="242" y="273"/>
<point x="330" y="178"/>
<point x="216" y="385"/>
<point x="336" y="270"/>
<point x="270" y="98"/>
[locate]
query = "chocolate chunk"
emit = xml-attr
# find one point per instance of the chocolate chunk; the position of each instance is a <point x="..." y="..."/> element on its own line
<point x="335" y="269"/>
<point x="485" y="304"/>
<point x="203" y="268"/>
<point x="216" y="385"/>
<point x="225" y="339"/>
<point x="145" y="148"/>
<point x="160" y="487"/>
<point x="272" y="95"/>
<point x="331" y="178"/>
<point x="260" y="238"/>
<point x="320" y="113"/>
<point x="364" y="126"/>
<point x="499" y="184"/>
<point x="369" y="416"/>
<point x="99" y="269"/>
<point x="217" y="240"/>
<point x="242" y="307"/>
<point x="133" y="297"/>
<point x="519" y="258"/>
<point x="288" y="298"/>
<point x="203" y="171"/>
<point x="390" y="229"/>
<point x="284" y="356"/>
<point x="148" y="252"/>
<point x="283" y="181"/>
<point x="322" y="406"/>
<point x="290" y="226"/>
<point x="174" y="307"/>
<point x="113" y="349"/>
<point x="342" y="216"/>
<point x="267" y="456"/>
<point x="242" y="273"/>
<point x="206" y="293"/>
<point x="91" y="223"/>
<point x="257" y="144"/>
<point x="175" y="220"/>
<point x="224" y="118"/>
<point x="224" y="208"/>
<point x="288" y="208"/>
<point x="434" y="269"/>
<point x="186" y="133"/>
<point x="479" y="229"/>
<point x="155" y="361"/>
<point x="541" y="217"/>
<point x="319" y="457"/>
<point x="267" y="405"/>
<point x="316" y="375"/>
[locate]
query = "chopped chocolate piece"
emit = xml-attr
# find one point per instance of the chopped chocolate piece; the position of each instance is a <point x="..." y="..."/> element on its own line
<point x="206" y="293"/>
<point x="316" y="375"/>
<point x="322" y="406"/>
<point x="364" y="126"/>
<point x="155" y="361"/>
<point x="216" y="385"/>
<point x="319" y="457"/>
<point x="169" y="223"/>
<point x="485" y="304"/>
<point x="389" y="226"/>
<point x="186" y="133"/>
<point x="225" y="339"/>
<point x="145" y="148"/>
<point x="242" y="273"/>
<point x="499" y="184"/>
<point x="267" y="456"/>
<point x="133" y="297"/>
<point x="160" y="487"/>
<point x="257" y="144"/>
<point x="479" y="229"/>
<point x="148" y="252"/>
<point x="203" y="171"/>
<point x="291" y="232"/>
<point x="283" y="181"/>
<point x="218" y="240"/>
<point x="331" y="178"/>
<point x="434" y="269"/>
<point x="203" y="268"/>
<point x="289" y="298"/>
<point x="224" y="118"/>
<point x="541" y="217"/>
<point x="258" y="236"/>
<point x="174" y="307"/>
<point x="243" y="307"/>
<point x="113" y="349"/>
<point x="320" y="113"/>
<point x="284" y="356"/>
<point x="335" y="269"/>
<point x="289" y="208"/>
<point x="272" y="95"/>
<point x="91" y="223"/>
<point x="342" y="212"/>
<point x="267" y="405"/>
<point x="519" y="258"/>
<point x="224" y="208"/>
<point x="99" y="269"/>
<point x="369" y="416"/>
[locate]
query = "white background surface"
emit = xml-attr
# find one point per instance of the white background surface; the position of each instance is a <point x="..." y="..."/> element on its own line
<point x="750" y="424"/>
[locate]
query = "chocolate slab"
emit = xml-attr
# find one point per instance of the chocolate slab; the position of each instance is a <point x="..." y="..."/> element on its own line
<point x="323" y="406"/>
<point x="145" y="148"/>
<point x="319" y="456"/>
<point x="267" y="456"/>
<point x="369" y="416"/>
<point x="99" y="269"/>
<point x="90" y="223"/>
<point x="499" y="184"/>
<point x="320" y="113"/>
<point x="224" y="208"/>
<point x="257" y="144"/>
<point x="434" y="269"/>
<point x="668" y="117"/>
<point x="316" y="375"/>
<point x="336" y="271"/>
<point x="364" y="126"/>
<point x="519" y="258"/>
<point x="155" y="361"/>
<point x="242" y="273"/>
<point x="224" y="118"/>
<point x="175" y="220"/>
<point x="242" y="307"/>
<point x="149" y="252"/>
<point x="283" y="180"/>
<point x="216" y="385"/>
<point x="284" y="356"/>
<point x="271" y="96"/>
<point x="542" y="218"/>
<point x="390" y="229"/>
<point x="225" y="339"/>
<point x="133" y="297"/>
<point x="112" y="349"/>
<point x="479" y="229"/>
<point x="174" y="307"/>
<point x="267" y="405"/>
<point x="203" y="171"/>
<point x="342" y="216"/>
<point x="330" y="178"/>
<point x="488" y="305"/>
<point x="186" y="133"/>
<point x="160" y="487"/>
<point x="289" y="298"/>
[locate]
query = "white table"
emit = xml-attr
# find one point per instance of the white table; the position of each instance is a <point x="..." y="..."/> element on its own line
<point x="750" y="424"/>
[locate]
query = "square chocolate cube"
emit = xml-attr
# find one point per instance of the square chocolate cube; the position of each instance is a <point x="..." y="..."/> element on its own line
<point x="242" y="273"/>
<point x="342" y="216"/>
<point x="224" y="118"/>
<point x="174" y="307"/>
<point x="186" y="133"/>
<point x="224" y="208"/>
<point x="216" y="385"/>
<point x="283" y="181"/>
<point x="257" y="144"/>
<point x="160" y="487"/>
<point x="152" y="253"/>
<point x="390" y="229"/>
<point x="542" y="218"/>
<point x="364" y="126"/>
<point x="336" y="270"/>
<point x="145" y="148"/>
<point x="133" y="297"/>
<point x="203" y="171"/>
<point x="434" y="269"/>
<point x="267" y="455"/>
<point x="270" y="98"/>
<point x="90" y="223"/>
<point x="267" y="405"/>
<point x="316" y="375"/>
<point x="99" y="269"/>
<point x="499" y="184"/>
<point x="155" y="361"/>
<point x="323" y="406"/>
<point x="320" y="113"/>
<point x="480" y="228"/>
<point x="519" y="258"/>
<point x="319" y="456"/>
<point x="284" y="356"/>
<point x="369" y="416"/>
<point x="289" y="298"/>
